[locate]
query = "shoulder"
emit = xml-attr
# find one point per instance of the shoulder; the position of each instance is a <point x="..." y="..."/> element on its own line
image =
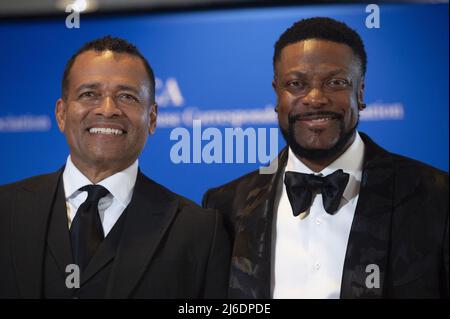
<point x="191" y="223"/>
<point x="9" y="192"/>
<point x="31" y="183"/>
<point x="422" y="186"/>
<point x="406" y="163"/>
<point x="186" y="207"/>
<point x="412" y="171"/>
<point x="228" y="190"/>
<point x="409" y="173"/>
<point x="415" y="184"/>
<point x="253" y="181"/>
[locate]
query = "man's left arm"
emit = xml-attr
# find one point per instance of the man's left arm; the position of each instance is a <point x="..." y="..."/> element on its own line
<point x="217" y="272"/>
<point x="446" y="261"/>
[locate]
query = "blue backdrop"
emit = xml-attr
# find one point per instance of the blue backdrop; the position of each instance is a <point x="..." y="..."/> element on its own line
<point x="217" y="66"/>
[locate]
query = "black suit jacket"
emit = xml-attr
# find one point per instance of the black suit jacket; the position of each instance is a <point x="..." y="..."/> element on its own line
<point x="400" y="224"/>
<point x="168" y="248"/>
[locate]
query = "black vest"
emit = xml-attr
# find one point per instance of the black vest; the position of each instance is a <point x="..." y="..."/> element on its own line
<point x="58" y="254"/>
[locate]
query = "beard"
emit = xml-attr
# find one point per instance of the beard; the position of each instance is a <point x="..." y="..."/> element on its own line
<point x="318" y="154"/>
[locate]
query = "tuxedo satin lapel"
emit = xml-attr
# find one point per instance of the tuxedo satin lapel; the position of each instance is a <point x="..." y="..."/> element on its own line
<point x="250" y="264"/>
<point x="29" y="227"/>
<point x="149" y="215"/>
<point x="58" y="238"/>
<point x="369" y="238"/>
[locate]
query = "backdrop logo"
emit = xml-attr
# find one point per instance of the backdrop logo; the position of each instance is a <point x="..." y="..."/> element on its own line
<point x="379" y="111"/>
<point x="168" y="93"/>
<point x="25" y="123"/>
<point x="174" y="111"/>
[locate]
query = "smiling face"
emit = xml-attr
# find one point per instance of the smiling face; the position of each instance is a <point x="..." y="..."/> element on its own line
<point x="319" y="89"/>
<point x="108" y="111"/>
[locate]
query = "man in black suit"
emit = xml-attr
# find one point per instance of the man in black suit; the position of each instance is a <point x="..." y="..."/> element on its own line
<point x="341" y="217"/>
<point x="98" y="227"/>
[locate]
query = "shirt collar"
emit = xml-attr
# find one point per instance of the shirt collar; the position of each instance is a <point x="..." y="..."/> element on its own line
<point x="351" y="162"/>
<point x="120" y="185"/>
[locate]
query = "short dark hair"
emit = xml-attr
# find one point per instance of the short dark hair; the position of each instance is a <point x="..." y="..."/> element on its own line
<point x="116" y="45"/>
<point x="324" y="29"/>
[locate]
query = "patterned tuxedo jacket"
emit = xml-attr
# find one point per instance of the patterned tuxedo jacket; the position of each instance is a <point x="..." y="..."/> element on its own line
<point x="401" y="224"/>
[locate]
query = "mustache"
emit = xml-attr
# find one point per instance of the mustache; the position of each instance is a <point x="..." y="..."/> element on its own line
<point x="292" y="118"/>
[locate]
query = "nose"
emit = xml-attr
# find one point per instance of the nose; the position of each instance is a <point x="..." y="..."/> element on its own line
<point x="315" y="98"/>
<point x="108" y="108"/>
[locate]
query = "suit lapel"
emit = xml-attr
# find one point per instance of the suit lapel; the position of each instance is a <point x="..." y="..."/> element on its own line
<point x="106" y="251"/>
<point x="58" y="238"/>
<point x="149" y="215"/>
<point x="29" y="227"/>
<point x="250" y="272"/>
<point x="369" y="238"/>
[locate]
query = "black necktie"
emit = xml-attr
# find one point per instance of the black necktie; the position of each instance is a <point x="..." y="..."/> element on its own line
<point x="300" y="188"/>
<point x="86" y="231"/>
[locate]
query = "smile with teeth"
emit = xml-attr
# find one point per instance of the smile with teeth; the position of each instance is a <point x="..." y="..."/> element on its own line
<point x="104" y="130"/>
<point x="320" y="119"/>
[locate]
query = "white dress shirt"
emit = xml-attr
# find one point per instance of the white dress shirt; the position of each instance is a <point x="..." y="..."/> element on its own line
<point x="110" y="207"/>
<point x="308" y="251"/>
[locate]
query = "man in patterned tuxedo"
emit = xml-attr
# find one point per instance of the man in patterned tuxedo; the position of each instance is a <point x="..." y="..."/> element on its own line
<point x="341" y="217"/>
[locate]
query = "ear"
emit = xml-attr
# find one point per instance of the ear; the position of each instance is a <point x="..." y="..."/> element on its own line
<point x="275" y="87"/>
<point x="361" y="104"/>
<point x="274" y="84"/>
<point x="60" y="114"/>
<point x="153" y="116"/>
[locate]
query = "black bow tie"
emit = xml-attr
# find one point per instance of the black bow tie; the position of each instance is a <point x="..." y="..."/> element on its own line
<point x="300" y="188"/>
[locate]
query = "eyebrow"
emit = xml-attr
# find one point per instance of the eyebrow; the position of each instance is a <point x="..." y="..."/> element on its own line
<point x="123" y="87"/>
<point x="93" y="85"/>
<point x="338" y="71"/>
<point x="96" y="85"/>
<point x="328" y="74"/>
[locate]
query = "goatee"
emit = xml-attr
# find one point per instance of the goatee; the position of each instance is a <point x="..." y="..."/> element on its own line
<point x="317" y="154"/>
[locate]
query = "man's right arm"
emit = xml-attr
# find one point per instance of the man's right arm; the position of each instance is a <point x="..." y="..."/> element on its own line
<point x="8" y="288"/>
